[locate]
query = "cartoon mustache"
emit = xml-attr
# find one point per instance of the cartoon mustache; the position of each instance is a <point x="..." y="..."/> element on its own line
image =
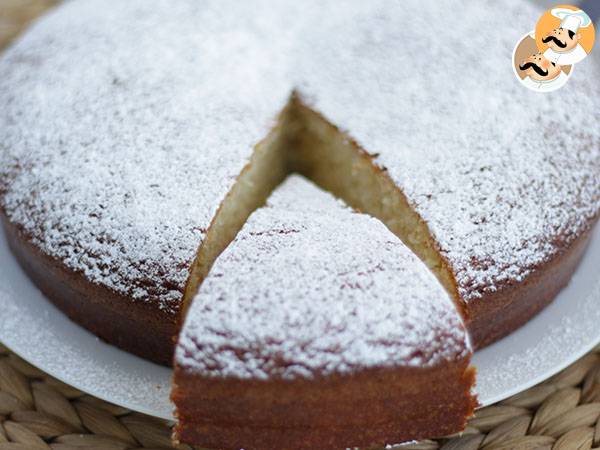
<point x="541" y="72"/>
<point x="556" y="41"/>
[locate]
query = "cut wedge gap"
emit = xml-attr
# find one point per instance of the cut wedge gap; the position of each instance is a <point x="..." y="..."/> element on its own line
<point x="264" y="172"/>
<point x="305" y="142"/>
<point x="332" y="160"/>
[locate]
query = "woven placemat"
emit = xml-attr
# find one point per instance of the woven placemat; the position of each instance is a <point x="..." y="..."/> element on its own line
<point x="17" y="14"/>
<point x="38" y="412"/>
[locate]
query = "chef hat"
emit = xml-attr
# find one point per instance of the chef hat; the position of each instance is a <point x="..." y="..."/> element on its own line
<point x="571" y="23"/>
<point x="572" y="20"/>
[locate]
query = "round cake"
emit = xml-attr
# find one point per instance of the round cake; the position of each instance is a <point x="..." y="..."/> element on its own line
<point x="137" y="138"/>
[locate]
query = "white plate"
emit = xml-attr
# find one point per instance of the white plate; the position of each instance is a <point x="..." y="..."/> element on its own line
<point x="42" y="335"/>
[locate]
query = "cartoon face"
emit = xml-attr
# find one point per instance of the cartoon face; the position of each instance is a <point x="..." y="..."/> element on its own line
<point x="561" y="40"/>
<point x="539" y="68"/>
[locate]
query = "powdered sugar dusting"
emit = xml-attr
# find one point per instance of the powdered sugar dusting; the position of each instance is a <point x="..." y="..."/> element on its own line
<point x="125" y="124"/>
<point x="309" y="287"/>
<point x="123" y="127"/>
<point x="503" y="176"/>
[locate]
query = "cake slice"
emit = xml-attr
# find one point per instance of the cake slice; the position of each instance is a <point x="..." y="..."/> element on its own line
<point x="318" y="328"/>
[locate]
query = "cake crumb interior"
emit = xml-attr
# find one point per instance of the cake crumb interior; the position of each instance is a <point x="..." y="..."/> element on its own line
<point x="306" y="143"/>
<point x="265" y="171"/>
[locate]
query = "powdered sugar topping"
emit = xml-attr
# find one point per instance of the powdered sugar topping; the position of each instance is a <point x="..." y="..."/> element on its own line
<point x="123" y="128"/>
<point x="124" y="124"/>
<point x="504" y="177"/>
<point x="309" y="287"/>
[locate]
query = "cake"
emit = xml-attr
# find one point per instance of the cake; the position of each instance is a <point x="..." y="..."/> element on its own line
<point x="137" y="138"/>
<point x="309" y="333"/>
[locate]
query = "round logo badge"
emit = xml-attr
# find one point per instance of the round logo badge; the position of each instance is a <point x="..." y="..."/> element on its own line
<point x="544" y="59"/>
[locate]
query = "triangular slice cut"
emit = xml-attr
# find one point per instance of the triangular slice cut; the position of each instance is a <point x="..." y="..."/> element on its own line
<point x="318" y="328"/>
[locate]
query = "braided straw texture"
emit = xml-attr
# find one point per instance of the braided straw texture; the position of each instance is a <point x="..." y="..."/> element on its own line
<point x="38" y="412"/>
<point x="17" y="14"/>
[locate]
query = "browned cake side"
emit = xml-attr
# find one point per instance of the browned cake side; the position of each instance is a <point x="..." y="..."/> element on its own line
<point x="138" y="327"/>
<point x="498" y="314"/>
<point x="366" y="409"/>
<point x="147" y="331"/>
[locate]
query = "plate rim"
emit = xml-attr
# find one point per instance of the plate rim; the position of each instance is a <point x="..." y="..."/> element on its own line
<point x="166" y="372"/>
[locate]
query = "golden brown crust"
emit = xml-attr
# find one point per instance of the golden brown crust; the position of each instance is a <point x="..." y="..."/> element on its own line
<point x="366" y="409"/>
<point x="145" y="330"/>
<point x="498" y="314"/>
<point x="370" y="408"/>
<point x="138" y="327"/>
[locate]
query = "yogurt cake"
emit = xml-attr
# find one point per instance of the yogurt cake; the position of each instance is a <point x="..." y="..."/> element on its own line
<point x="137" y="138"/>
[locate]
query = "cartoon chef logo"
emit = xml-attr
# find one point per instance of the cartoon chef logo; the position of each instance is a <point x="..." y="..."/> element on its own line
<point x="544" y="59"/>
<point x="568" y="33"/>
<point x="535" y="71"/>
<point x="541" y="74"/>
